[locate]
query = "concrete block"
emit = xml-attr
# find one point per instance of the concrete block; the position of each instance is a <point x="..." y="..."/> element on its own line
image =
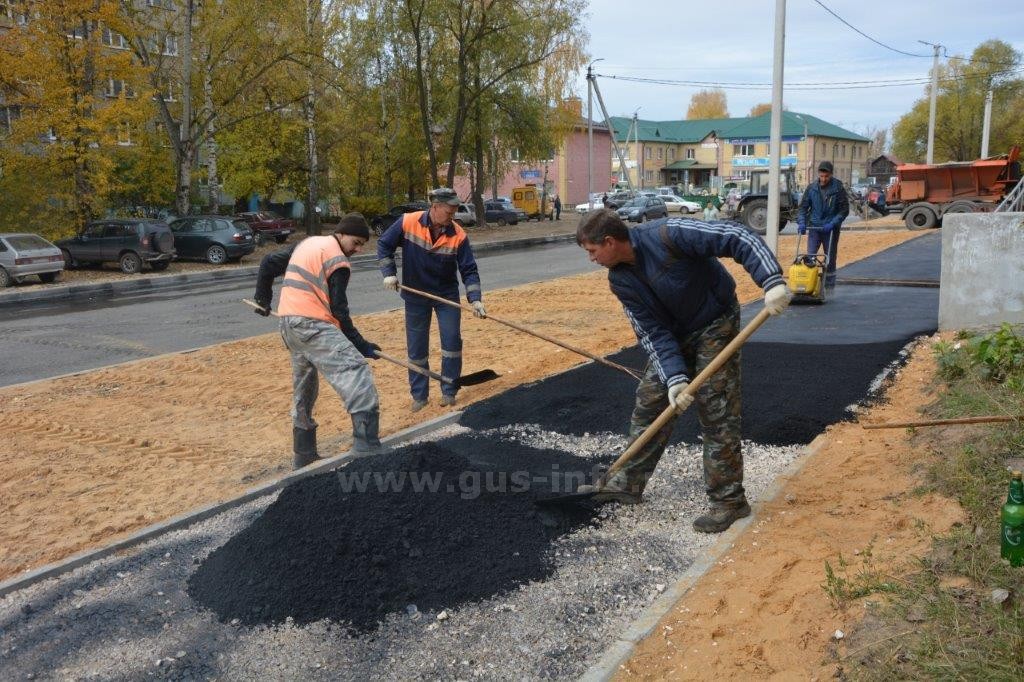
<point x="982" y="270"/>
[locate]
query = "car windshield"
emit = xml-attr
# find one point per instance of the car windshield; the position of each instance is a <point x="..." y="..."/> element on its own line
<point x="27" y="242"/>
<point x="240" y="225"/>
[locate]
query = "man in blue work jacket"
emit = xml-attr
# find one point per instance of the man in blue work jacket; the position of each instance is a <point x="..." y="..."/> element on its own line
<point x="434" y="249"/>
<point x="824" y="207"/>
<point x="681" y="302"/>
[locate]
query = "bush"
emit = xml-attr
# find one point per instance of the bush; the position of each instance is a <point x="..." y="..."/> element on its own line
<point x="1000" y="355"/>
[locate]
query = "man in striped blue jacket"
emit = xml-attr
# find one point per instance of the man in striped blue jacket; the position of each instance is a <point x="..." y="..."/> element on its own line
<point x="681" y="302"/>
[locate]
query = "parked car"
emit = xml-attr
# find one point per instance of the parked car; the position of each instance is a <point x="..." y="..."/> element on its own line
<point x="23" y="255"/>
<point x="385" y="220"/>
<point x="129" y="243"/>
<point x="466" y="215"/>
<point x="499" y="213"/>
<point x="267" y="225"/>
<point x="213" y="238"/>
<point x="642" y="209"/>
<point x="674" y="203"/>
<point x="619" y="199"/>
<point x="588" y="207"/>
<point x="509" y="206"/>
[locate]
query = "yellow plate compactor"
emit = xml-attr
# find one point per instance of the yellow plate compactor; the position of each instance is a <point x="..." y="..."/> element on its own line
<point x="806" y="277"/>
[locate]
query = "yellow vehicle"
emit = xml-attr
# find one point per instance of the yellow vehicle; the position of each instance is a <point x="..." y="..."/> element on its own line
<point x="533" y="202"/>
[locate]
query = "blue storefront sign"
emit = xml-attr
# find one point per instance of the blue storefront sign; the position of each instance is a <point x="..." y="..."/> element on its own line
<point x="759" y="161"/>
<point x="529" y="174"/>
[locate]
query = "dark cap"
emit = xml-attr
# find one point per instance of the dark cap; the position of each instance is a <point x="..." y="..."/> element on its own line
<point x="444" y="195"/>
<point x="825" y="166"/>
<point x="353" y="224"/>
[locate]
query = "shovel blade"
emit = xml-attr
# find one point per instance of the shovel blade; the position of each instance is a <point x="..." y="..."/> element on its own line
<point x="572" y="500"/>
<point x="480" y="377"/>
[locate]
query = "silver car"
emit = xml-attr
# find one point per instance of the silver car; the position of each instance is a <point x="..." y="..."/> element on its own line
<point x="22" y="255"/>
<point x="466" y="215"/>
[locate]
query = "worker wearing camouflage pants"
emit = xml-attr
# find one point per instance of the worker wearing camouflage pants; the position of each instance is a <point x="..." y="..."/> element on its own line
<point x="317" y="345"/>
<point x="681" y="303"/>
<point x="718" y="410"/>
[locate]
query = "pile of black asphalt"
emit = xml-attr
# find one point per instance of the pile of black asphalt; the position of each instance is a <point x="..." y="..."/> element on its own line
<point x="432" y="525"/>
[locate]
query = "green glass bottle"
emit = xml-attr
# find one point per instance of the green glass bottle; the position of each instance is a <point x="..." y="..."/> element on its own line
<point x="1013" y="523"/>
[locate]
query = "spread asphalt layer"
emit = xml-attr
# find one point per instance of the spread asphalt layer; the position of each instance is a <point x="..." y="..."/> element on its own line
<point x="194" y="602"/>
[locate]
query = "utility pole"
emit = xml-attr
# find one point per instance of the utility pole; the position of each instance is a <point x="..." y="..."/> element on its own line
<point x="590" y="129"/>
<point x="608" y="124"/>
<point x="986" y="128"/>
<point x="931" y="107"/>
<point x="775" y="135"/>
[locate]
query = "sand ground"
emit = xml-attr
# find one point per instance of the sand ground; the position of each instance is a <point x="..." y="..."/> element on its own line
<point x="92" y="457"/>
<point x="761" y="612"/>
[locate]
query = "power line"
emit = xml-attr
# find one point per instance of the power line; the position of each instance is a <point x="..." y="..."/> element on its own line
<point x="945" y="53"/>
<point x="836" y="85"/>
<point x="877" y="42"/>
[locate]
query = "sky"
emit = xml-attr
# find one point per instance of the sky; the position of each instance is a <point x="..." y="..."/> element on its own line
<point x="732" y="41"/>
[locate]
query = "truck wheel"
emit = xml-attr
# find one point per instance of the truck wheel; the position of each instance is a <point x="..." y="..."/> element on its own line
<point x="755" y="215"/>
<point x="920" y="218"/>
<point x="961" y="207"/>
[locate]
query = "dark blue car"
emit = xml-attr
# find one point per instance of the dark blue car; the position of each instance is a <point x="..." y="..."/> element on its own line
<point x="212" y="238"/>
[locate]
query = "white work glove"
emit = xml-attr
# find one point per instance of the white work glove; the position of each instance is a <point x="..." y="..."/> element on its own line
<point x="678" y="398"/>
<point x="776" y="299"/>
<point x="391" y="282"/>
<point x="478" y="309"/>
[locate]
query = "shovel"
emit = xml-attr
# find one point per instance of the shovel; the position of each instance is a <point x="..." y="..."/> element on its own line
<point x="531" y="332"/>
<point x="664" y="418"/>
<point x="472" y="379"/>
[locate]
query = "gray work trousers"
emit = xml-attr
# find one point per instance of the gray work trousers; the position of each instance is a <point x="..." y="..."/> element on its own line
<point x="320" y="346"/>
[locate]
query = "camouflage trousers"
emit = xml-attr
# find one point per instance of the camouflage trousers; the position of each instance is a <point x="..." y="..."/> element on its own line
<point x="718" y="410"/>
<point x="320" y="347"/>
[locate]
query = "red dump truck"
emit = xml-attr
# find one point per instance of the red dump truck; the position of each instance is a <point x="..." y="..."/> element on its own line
<point x="925" y="192"/>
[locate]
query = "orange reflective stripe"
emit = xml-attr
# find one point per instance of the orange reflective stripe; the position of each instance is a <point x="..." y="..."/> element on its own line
<point x="305" y="292"/>
<point x="419" y="234"/>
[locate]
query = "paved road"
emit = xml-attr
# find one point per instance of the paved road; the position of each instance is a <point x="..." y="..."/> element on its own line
<point x="58" y="338"/>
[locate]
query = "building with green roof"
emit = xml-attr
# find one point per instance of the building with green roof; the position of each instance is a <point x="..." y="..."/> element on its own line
<point x="713" y="152"/>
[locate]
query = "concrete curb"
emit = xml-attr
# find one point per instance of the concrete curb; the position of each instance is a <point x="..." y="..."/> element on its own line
<point x="188" y="518"/>
<point x="158" y="283"/>
<point x="622" y="649"/>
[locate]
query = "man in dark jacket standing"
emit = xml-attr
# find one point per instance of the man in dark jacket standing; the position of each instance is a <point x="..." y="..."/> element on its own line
<point x="682" y="305"/>
<point x="823" y="208"/>
<point x="435" y="252"/>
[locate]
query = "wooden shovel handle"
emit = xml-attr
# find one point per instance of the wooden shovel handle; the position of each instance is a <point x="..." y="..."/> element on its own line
<point x="670" y="412"/>
<point x="531" y="332"/>
<point x="380" y="354"/>
<point x="991" y="419"/>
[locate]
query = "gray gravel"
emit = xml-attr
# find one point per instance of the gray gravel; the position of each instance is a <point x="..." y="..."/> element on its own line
<point x="129" y="617"/>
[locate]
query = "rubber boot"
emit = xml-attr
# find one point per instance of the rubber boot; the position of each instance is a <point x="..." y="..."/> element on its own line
<point x="366" y="434"/>
<point x="719" y="518"/>
<point x="303" y="447"/>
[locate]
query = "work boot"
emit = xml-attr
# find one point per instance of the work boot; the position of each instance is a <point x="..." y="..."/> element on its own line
<point x="365" y="434"/>
<point x="417" y="405"/>
<point x="719" y="518"/>
<point x="303" y="447"/>
<point x="447" y="400"/>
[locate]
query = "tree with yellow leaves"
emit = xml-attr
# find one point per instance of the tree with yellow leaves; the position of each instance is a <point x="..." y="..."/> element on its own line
<point x="708" y="104"/>
<point x="78" y="98"/>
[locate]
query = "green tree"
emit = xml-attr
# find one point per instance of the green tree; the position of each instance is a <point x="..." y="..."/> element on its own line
<point x="960" y="105"/>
